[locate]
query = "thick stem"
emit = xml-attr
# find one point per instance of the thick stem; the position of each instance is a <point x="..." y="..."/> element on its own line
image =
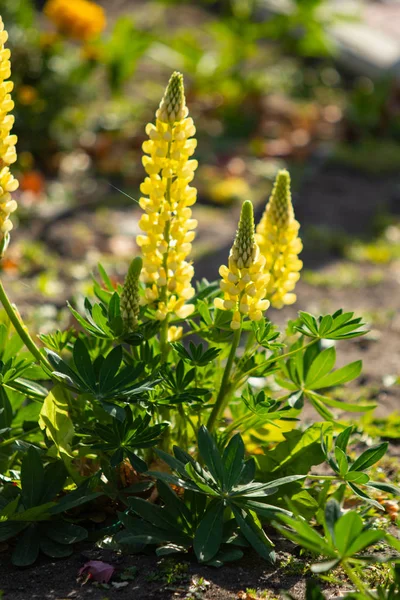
<point x="22" y="330"/>
<point x="238" y="382"/>
<point x="324" y="477"/>
<point x="352" y="575"/>
<point x="220" y="401"/>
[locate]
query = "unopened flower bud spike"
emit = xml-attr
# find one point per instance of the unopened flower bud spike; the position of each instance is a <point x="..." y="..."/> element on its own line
<point x="277" y="237"/>
<point x="244" y="286"/>
<point x="130" y="300"/>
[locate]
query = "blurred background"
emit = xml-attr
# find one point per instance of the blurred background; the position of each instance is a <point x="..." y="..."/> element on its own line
<point x="311" y="85"/>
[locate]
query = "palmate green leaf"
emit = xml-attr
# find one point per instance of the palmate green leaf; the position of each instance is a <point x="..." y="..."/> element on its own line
<point x="208" y="537"/>
<point x="369" y="457"/>
<point x="339" y="326"/>
<point x="254" y="533"/>
<point x="346" y="531"/>
<point x="365" y="539"/>
<point x="305" y="537"/>
<point x="338" y="377"/>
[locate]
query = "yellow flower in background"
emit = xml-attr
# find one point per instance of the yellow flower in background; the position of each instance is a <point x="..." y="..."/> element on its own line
<point x="8" y="154"/>
<point x="79" y="19"/>
<point x="244" y="281"/>
<point x="225" y="191"/>
<point x="167" y="222"/>
<point x="277" y="237"/>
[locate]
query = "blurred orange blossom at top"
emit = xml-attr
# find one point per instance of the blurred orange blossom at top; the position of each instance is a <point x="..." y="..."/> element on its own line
<point x="78" y="19"/>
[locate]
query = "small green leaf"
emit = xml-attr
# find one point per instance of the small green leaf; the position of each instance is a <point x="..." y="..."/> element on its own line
<point x="346" y="530"/>
<point x="321" y="365"/>
<point x="342" y="461"/>
<point x="339" y="377"/>
<point x="254" y="534"/>
<point x="233" y="459"/>
<point x="32" y="478"/>
<point x="356" y="477"/>
<point x="27" y="548"/>
<point x="209" y="452"/>
<point x="369" y="457"/>
<point x="83" y="364"/>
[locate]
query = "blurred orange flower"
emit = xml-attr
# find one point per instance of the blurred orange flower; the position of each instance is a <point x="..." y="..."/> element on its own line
<point x="32" y="181"/>
<point x="79" y="19"/>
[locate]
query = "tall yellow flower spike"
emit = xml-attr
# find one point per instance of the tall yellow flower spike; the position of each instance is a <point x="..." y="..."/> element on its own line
<point x="277" y="237"/>
<point x="244" y="281"/>
<point x="167" y="224"/>
<point x="7" y="144"/>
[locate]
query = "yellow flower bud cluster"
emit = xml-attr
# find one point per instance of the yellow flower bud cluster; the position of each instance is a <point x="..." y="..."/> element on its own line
<point x="130" y="300"/>
<point x="277" y="237"/>
<point x="78" y="19"/>
<point x="7" y="141"/>
<point x="244" y="280"/>
<point x="167" y="223"/>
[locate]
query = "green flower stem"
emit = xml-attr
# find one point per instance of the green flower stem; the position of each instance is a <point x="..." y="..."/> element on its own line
<point x="21" y="436"/>
<point x="324" y="477"/>
<point x="225" y="387"/>
<point x="352" y="575"/>
<point x="164" y="346"/>
<point x="238" y="382"/>
<point x="22" y="330"/>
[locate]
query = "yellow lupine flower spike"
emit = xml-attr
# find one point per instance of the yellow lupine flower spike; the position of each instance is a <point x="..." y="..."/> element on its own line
<point x="130" y="300"/>
<point x="277" y="237"/>
<point x="244" y="281"/>
<point x="7" y="143"/>
<point x="167" y="222"/>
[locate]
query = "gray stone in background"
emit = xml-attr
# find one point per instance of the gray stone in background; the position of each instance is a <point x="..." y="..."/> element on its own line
<point x="367" y="35"/>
